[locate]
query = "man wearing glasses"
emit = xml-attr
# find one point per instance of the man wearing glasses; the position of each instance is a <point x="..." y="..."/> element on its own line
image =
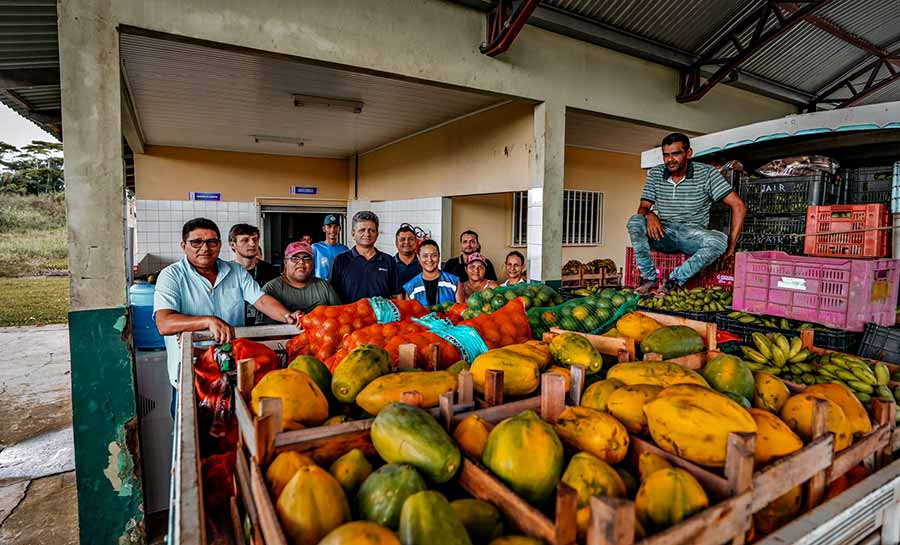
<point x="204" y="292"/>
<point x="298" y="290"/>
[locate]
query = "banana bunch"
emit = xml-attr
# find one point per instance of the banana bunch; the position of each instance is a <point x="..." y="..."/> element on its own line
<point x="853" y="372"/>
<point x="778" y="355"/>
<point x="770" y="321"/>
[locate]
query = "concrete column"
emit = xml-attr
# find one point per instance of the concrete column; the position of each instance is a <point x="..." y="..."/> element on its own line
<point x="107" y="445"/>
<point x="545" y="198"/>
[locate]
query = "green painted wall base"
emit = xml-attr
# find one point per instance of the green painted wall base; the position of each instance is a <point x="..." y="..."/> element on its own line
<point x="104" y="414"/>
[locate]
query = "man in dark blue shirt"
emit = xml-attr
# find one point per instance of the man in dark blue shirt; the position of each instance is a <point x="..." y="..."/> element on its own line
<point x="365" y="271"/>
<point x="406" y="260"/>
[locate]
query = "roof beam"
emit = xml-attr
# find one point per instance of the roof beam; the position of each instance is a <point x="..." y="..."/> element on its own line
<point x="834" y="94"/>
<point x="845" y="35"/>
<point x="504" y="22"/>
<point x="692" y="85"/>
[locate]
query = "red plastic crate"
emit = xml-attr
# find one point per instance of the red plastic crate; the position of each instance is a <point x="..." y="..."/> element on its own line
<point x="836" y="292"/>
<point x="841" y="218"/>
<point x="717" y="274"/>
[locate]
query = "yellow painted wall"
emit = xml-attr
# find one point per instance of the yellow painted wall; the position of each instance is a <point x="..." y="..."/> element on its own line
<point x="490" y="216"/>
<point x="485" y="153"/>
<point x="169" y="173"/>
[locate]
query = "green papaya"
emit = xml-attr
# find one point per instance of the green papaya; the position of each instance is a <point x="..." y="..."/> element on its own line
<point x="428" y="518"/>
<point x="351" y="470"/>
<point x="318" y="372"/>
<point x="361" y="366"/>
<point x="570" y="349"/>
<point x="482" y="520"/>
<point x="382" y="494"/>
<point x="730" y="374"/>
<point x="403" y="434"/>
<point x="458" y="367"/>
<point x="673" y="342"/>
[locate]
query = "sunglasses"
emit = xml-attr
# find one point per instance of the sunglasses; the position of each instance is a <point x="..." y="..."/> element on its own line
<point x="198" y="243"/>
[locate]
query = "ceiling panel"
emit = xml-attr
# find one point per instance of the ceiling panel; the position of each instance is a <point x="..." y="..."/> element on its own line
<point x="604" y="133"/>
<point x="190" y="95"/>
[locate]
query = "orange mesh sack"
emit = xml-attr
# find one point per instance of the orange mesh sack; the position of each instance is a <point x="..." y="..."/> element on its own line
<point x="377" y="334"/>
<point x="298" y="346"/>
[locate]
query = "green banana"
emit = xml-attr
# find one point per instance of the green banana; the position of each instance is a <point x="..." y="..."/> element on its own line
<point x="762" y="344"/>
<point x="864" y="398"/>
<point x="864" y="375"/>
<point x="778" y="356"/>
<point x="800" y="356"/>
<point x="860" y="386"/>
<point x="882" y="374"/>
<point x="754" y="355"/>
<point x="783" y="344"/>
<point x="884" y="393"/>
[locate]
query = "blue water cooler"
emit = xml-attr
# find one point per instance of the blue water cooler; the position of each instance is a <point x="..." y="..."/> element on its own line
<point x="146" y="336"/>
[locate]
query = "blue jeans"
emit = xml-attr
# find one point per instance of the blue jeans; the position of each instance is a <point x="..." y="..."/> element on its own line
<point x="704" y="247"/>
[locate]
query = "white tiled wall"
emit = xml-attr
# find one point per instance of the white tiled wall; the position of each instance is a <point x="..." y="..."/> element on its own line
<point x="424" y="213"/>
<point x="159" y="223"/>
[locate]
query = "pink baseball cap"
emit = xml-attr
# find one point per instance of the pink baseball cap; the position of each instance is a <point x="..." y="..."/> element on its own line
<point x="475" y="256"/>
<point x="298" y="247"/>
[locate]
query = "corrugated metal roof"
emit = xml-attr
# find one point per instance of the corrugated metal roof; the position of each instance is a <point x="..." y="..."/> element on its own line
<point x="597" y="132"/>
<point x="28" y="34"/>
<point x="40" y="98"/>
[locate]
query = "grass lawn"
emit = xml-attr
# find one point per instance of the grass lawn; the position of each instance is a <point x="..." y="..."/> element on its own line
<point x="34" y="301"/>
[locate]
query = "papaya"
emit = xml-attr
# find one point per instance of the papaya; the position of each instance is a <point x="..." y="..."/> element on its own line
<point x="856" y="414"/>
<point x="361" y="366"/>
<point x="316" y="370"/>
<point x="458" y="367"/>
<point x="517" y="540"/>
<point x="797" y="413"/>
<point x="388" y="389"/>
<point x="739" y="399"/>
<point x="360" y="532"/>
<point x="769" y="392"/>
<point x="521" y="375"/>
<point x="631" y="484"/>
<point x="283" y="468"/>
<point x="482" y="520"/>
<point x="774" y="439"/>
<point x="649" y="463"/>
<point x="536" y="350"/>
<point x="596" y="395"/>
<point x="403" y="434"/>
<point x="525" y="453"/>
<point x="337" y="420"/>
<point x="595" y="432"/>
<point x="582" y="521"/>
<point x="657" y="373"/>
<point x="302" y="402"/>
<point x="471" y="434"/>
<point x="564" y="373"/>
<point x="782" y="510"/>
<point x="673" y="341"/>
<point x="667" y="497"/>
<point x="637" y="326"/>
<point x="351" y="470"/>
<point x="312" y="505"/>
<point x="591" y="476"/>
<point x="627" y="405"/>
<point x="694" y="422"/>
<point x="382" y="494"/>
<point x="727" y="373"/>
<point x="427" y="518"/>
<point x="570" y="349"/>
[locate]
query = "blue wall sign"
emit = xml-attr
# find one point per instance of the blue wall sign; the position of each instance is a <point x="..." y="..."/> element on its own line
<point x="304" y="190"/>
<point x="203" y="196"/>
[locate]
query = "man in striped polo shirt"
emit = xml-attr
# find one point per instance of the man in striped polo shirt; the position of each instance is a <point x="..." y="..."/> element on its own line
<point x="674" y="215"/>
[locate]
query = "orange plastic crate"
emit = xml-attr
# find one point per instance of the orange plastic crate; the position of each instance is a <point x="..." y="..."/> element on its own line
<point x="846" y="225"/>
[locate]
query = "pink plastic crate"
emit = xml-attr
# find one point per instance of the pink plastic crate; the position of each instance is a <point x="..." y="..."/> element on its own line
<point x="835" y="292"/>
<point x="718" y="274"/>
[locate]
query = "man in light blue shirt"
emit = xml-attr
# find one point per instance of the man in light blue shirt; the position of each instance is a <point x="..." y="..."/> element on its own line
<point x="204" y="292"/>
<point x="325" y="252"/>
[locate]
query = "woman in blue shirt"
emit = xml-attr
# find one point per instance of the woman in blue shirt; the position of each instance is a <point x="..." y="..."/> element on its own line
<point x="432" y="286"/>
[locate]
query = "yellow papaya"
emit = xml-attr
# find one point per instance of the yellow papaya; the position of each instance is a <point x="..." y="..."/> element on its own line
<point x="302" y="402"/>
<point x="337" y="420"/>
<point x="361" y="366"/>
<point x="537" y="351"/>
<point x="388" y="389"/>
<point x="694" y="422"/>
<point x="351" y="470"/>
<point x="856" y="414"/>
<point x="667" y="497"/>
<point x="637" y="325"/>
<point x="283" y="468"/>
<point x="627" y="405"/>
<point x="774" y="439"/>
<point x="360" y="532"/>
<point x="797" y="413"/>
<point x="596" y="394"/>
<point x="521" y="374"/>
<point x="591" y="476"/>
<point x="649" y="463"/>
<point x="595" y="432"/>
<point x="564" y="372"/>
<point x="657" y="373"/>
<point x="570" y="349"/>
<point x="779" y="512"/>
<point x="312" y="505"/>
<point x="769" y="392"/>
<point x="471" y="434"/>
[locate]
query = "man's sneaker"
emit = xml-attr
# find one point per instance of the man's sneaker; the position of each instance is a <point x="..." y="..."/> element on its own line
<point x="669" y="285"/>
<point x="646" y="286"/>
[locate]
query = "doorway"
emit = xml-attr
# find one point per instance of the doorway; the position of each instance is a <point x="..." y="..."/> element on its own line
<point x="285" y="224"/>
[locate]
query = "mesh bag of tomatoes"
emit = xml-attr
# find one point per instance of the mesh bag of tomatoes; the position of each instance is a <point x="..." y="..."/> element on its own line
<point x="594" y="314"/>
<point x="489" y="300"/>
<point x="377" y="334"/>
<point x="326" y="326"/>
<point x="298" y="345"/>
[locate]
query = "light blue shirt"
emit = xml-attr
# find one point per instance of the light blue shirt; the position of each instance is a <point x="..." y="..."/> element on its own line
<point x="182" y="289"/>
<point x="323" y="257"/>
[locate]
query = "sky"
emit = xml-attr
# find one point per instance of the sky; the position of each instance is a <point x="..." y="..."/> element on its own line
<point x="18" y="131"/>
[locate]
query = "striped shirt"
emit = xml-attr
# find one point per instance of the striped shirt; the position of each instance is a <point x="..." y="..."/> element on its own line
<point x="689" y="200"/>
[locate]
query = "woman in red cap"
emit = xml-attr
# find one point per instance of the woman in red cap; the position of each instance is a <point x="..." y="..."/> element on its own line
<point x="475" y="268"/>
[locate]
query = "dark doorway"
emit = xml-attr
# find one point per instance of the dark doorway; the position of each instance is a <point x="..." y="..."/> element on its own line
<point x="280" y="228"/>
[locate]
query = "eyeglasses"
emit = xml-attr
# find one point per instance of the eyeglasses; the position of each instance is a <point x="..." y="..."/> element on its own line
<point x="300" y="258"/>
<point x="197" y="243"/>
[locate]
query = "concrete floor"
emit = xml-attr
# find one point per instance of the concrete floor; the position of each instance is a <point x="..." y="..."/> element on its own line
<point x="38" y="502"/>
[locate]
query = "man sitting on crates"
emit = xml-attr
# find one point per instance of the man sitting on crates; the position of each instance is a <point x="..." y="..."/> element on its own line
<point x="674" y="215"/>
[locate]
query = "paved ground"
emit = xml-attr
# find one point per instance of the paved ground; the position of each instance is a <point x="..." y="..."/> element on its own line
<point x="38" y="502"/>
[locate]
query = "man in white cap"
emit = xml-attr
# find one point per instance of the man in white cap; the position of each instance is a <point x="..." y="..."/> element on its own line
<point x="324" y="252"/>
<point x="297" y="289"/>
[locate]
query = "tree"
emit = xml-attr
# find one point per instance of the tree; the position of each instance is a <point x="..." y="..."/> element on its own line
<point x="33" y="169"/>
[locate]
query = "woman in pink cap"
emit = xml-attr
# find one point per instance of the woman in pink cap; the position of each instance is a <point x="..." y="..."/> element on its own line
<point x="475" y="268"/>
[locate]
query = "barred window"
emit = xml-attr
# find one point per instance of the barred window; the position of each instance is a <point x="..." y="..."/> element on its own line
<point x="582" y="218"/>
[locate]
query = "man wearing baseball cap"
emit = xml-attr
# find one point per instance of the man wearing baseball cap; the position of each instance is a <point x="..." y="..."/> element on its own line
<point x="325" y="252"/>
<point x="297" y="289"/>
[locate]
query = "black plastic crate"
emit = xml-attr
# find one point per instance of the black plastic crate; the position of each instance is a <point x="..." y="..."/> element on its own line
<point x="880" y="343"/>
<point x="870" y="184"/>
<point x="839" y="341"/>
<point x="720" y="218"/>
<point x="778" y="233"/>
<point x="700" y="316"/>
<point x="789" y="195"/>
